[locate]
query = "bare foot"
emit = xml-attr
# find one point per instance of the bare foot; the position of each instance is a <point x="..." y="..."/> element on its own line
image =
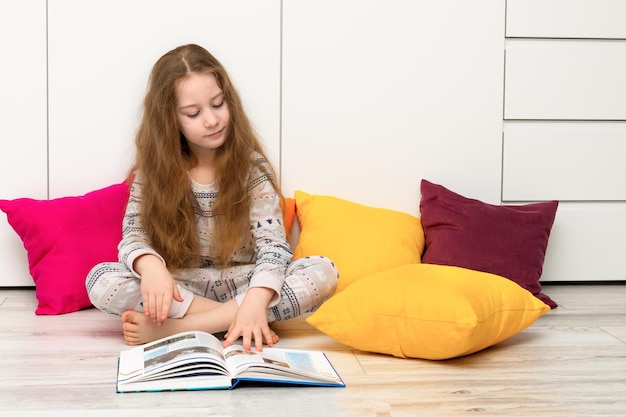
<point x="275" y="337"/>
<point x="139" y="329"/>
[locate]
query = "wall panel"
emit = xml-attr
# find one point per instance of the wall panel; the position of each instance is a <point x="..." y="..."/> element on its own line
<point x="23" y="144"/>
<point x="101" y="54"/>
<point x="378" y="95"/>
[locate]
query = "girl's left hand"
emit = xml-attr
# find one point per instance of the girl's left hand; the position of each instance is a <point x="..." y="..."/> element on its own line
<point x="251" y="320"/>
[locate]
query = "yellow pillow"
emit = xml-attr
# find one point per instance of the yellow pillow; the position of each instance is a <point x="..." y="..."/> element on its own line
<point x="428" y="311"/>
<point x="359" y="239"/>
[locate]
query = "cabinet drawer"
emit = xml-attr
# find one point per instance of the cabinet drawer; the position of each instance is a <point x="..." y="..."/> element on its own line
<point x="566" y="19"/>
<point x="587" y="243"/>
<point x="564" y="161"/>
<point x="565" y="80"/>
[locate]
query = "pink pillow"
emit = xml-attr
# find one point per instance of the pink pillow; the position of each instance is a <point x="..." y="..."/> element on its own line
<point x="64" y="239"/>
<point x="509" y="241"/>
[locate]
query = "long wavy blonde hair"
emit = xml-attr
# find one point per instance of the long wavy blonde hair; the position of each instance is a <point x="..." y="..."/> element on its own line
<point x="163" y="160"/>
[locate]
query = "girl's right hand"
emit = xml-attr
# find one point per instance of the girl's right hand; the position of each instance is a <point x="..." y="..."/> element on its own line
<point x="158" y="288"/>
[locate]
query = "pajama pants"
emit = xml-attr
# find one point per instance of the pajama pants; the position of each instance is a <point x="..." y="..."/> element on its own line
<point x="309" y="281"/>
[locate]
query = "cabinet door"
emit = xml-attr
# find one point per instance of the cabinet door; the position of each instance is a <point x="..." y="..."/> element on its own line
<point x="100" y="57"/>
<point x="566" y="19"/>
<point x="378" y="95"/>
<point x="574" y="161"/>
<point x="587" y="243"/>
<point x="23" y="147"/>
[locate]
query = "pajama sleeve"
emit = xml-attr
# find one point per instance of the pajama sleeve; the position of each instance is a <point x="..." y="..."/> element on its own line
<point x="266" y="225"/>
<point x="134" y="241"/>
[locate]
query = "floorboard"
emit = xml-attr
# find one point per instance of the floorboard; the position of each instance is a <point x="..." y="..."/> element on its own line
<point x="571" y="362"/>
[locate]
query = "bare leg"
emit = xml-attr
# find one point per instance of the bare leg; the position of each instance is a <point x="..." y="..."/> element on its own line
<point x="203" y="314"/>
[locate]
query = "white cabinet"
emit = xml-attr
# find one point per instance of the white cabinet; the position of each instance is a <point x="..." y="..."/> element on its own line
<point x="377" y="95"/>
<point x="565" y="129"/>
<point x="23" y="147"/>
<point x="356" y="98"/>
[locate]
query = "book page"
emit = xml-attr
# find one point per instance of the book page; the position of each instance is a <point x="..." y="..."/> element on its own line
<point x="280" y="364"/>
<point x="175" y="355"/>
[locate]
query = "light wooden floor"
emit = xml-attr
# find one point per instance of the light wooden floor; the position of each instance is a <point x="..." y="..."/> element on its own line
<point x="571" y="362"/>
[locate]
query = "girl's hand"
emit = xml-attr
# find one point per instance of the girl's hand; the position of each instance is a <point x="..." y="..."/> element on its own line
<point x="158" y="288"/>
<point x="251" y="320"/>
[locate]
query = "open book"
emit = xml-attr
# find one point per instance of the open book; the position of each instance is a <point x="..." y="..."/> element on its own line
<point x="196" y="361"/>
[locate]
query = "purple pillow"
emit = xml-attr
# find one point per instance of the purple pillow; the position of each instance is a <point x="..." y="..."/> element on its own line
<point x="65" y="238"/>
<point x="506" y="240"/>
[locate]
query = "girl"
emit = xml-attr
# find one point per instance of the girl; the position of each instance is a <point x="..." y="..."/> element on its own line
<point x="203" y="244"/>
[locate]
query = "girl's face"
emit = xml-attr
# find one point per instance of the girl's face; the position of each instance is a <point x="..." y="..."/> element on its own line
<point x="202" y="113"/>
